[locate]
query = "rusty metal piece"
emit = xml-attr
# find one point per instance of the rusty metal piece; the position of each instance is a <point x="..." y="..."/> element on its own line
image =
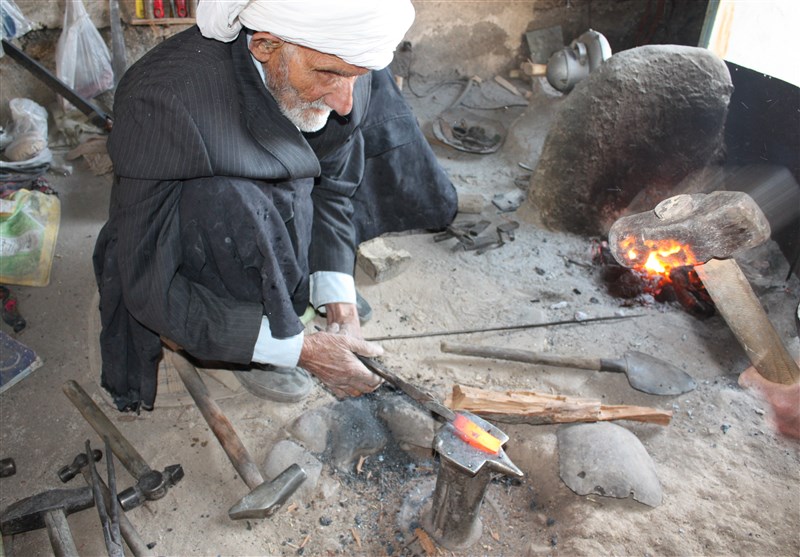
<point x="7" y="467"/>
<point x="465" y="233"/>
<point x="465" y="472"/>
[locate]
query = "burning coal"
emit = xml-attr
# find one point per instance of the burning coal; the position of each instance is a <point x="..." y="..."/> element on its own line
<point x="663" y="270"/>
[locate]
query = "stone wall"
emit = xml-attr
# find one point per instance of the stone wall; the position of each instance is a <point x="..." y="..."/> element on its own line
<point x="449" y="38"/>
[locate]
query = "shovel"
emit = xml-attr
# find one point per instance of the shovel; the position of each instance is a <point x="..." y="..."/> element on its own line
<point x="645" y="373"/>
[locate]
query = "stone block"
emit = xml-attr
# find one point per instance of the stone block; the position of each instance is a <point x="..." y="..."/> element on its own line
<point x="284" y="454"/>
<point x="380" y="261"/>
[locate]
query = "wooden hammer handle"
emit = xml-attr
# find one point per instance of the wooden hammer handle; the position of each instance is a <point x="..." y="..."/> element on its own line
<point x="744" y="314"/>
<point x="126" y="453"/>
<point x="217" y="421"/>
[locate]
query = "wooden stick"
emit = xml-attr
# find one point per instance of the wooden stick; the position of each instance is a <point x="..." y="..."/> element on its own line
<point x="529" y="407"/>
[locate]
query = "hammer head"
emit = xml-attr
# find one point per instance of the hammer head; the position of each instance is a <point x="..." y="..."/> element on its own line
<point x="28" y="514"/>
<point x="708" y="226"/>
<point x="268" y="497"/>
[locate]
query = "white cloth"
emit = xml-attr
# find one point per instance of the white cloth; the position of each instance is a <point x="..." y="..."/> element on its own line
<point x="364" y="33"/>
<point x="327" y="287"/>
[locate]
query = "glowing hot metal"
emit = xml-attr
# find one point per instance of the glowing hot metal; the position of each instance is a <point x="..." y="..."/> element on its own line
<point x="475" y="435"/>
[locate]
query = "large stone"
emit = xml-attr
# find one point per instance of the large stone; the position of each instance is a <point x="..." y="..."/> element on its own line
<point x="284" y="454"/>
<point x="607" y="459"/>
<point x="311" y="429"/>
<point x="636" y="127"/>
<point x="354" y="432"/>
<point x="412" y="427"/>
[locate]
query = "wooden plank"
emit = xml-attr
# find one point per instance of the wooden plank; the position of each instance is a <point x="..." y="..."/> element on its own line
<point x="534" y="408"/>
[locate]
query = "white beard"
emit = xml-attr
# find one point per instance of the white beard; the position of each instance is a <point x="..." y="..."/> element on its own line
<point x="307" y="116"/>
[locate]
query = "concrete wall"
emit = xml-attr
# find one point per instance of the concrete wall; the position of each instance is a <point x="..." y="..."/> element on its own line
<point x="448" y="39"/>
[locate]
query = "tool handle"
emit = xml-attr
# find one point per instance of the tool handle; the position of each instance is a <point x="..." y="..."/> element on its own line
<point x="218" y="422"/>
<point x="418" y="395"/>
<point x="126" y="453"/>
<point x="525" y="356"/>
<point x="737" y="303"/>
<point x="59" y="533"/>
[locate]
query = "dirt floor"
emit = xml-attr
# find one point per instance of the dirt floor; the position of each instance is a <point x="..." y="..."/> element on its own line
<point x="730" y="485"/>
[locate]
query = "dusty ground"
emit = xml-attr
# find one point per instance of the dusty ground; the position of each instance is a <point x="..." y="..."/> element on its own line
<point x="730" y="485"/>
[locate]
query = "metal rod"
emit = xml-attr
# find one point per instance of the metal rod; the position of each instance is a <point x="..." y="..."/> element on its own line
<point x="113" y="502"/>
<point x="99" y="502"/>
<point x="97" y="116"/>
<point x="505" y="328"/>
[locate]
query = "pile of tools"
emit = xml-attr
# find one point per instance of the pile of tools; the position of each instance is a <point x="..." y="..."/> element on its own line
<point x="469" y="238"/>
<point x="49" y="509"/>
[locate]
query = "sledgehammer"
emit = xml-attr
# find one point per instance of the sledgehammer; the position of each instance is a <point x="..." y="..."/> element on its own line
<point x="265" y="498"/>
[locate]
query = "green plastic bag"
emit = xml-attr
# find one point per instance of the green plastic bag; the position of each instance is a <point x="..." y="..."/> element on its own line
<point x="29" y="224"/>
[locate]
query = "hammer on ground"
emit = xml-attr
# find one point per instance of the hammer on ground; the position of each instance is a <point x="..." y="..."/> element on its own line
<point x="48" y="509"/>
<point x="151" y="484"/>
<point x="715" y="227"/>
<point x="80" y="465"/>
<point x="265" y="498"/>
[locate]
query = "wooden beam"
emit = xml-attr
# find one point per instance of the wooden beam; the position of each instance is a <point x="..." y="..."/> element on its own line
<point x="529" y="407"/>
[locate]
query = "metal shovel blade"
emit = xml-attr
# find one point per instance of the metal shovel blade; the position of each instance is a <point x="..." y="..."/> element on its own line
<point x="656" y="377"/>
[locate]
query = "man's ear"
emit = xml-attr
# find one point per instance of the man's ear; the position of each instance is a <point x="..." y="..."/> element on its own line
<point x="263" y="45"/>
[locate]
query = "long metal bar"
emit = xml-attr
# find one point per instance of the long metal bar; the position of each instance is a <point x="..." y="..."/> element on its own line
<point x="505" y="327"/>
<point x="97" y="116"/>
<point x="112" y="546"/>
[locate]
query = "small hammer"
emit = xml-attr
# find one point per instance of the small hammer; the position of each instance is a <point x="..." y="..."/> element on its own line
<point x="48" y="509"/>
<point x="715" y="226"/>
<point x="79" y="465"/>
<point x="151" y="485"/>
<point x="265" y="498"/>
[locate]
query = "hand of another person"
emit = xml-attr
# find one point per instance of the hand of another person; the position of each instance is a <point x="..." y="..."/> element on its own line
<point x="784" y="400"/>
<point x="332" y="358"/>
<point x="343" y="319"/>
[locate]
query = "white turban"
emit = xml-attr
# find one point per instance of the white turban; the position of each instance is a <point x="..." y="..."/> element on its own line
<point x="360" y="32"/>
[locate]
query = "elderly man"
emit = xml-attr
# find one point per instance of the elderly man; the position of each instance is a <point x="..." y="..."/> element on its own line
<point x="252" y="154"/>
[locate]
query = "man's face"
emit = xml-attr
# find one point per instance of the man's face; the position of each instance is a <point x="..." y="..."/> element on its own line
<point x="308" y="84"/>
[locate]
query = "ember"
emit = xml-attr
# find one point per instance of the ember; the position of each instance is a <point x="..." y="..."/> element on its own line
<point x="657" y="257"/>
<point x="663" y="270"/>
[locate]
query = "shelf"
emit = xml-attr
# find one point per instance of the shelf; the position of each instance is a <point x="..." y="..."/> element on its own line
<point x="164" y="21"/>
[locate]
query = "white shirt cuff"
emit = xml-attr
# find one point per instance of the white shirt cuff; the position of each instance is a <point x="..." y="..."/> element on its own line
<point x="328" y="287"/>
<point x="280" y="352"/>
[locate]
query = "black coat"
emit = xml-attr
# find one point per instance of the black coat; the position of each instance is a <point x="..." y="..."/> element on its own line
<point x="194" y="110"/>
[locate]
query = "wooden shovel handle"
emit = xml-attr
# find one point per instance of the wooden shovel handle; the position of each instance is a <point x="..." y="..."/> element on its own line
<point x="525" y="356"/>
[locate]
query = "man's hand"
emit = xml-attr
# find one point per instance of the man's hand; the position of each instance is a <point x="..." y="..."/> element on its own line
<point x="783" y="399"/>
<point x="343" y="319"/>
<point x="332" y="358"/>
